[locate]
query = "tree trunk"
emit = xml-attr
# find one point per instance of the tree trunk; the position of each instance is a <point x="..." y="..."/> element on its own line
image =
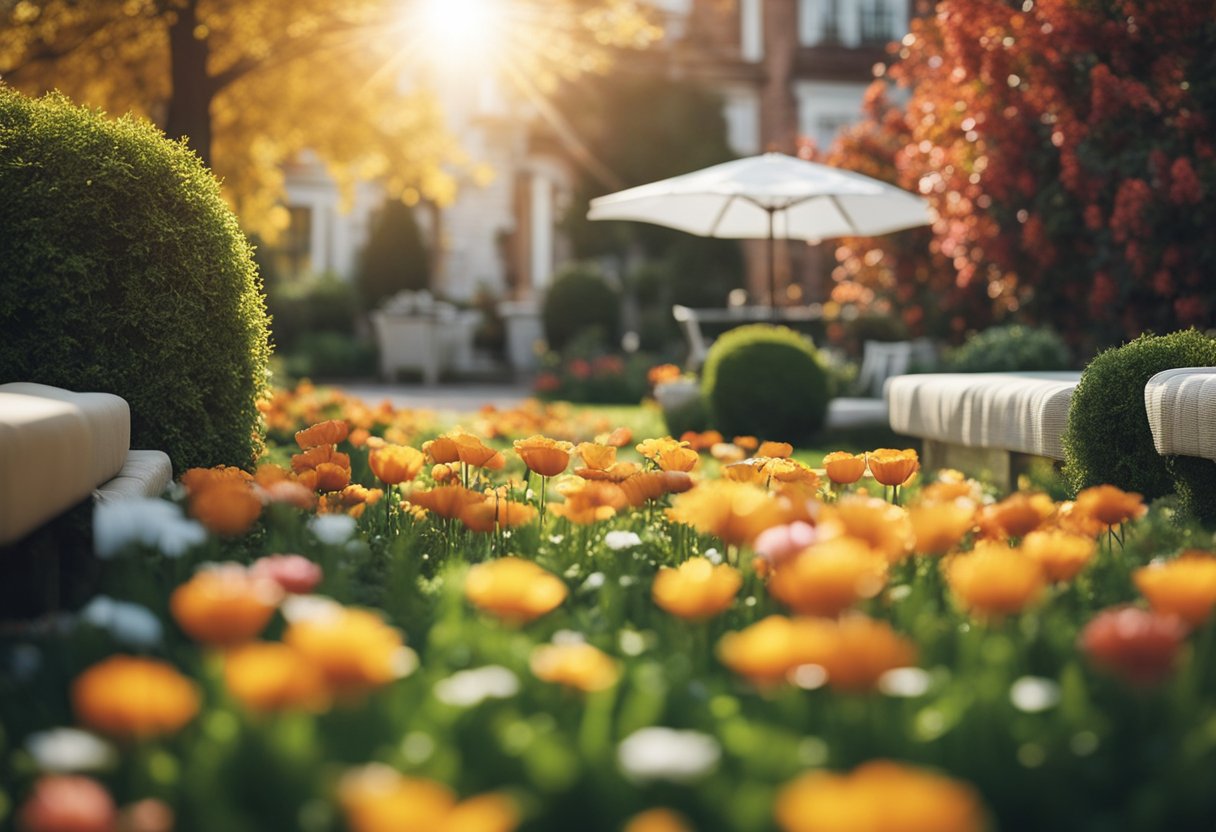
<point x="190" y="100"/>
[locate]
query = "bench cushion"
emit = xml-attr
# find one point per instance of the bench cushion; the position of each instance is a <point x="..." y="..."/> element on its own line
<point x="145" y="474"/>
<point x="1181" y="407"/>
<point x="55" y="448"/>
<point x="1021" y="412"/>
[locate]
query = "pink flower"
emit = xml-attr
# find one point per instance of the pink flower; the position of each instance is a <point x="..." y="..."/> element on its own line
<point x="68" y="803"/>
<point x="1134" y="644"/>
<point x="781" y="543"/>
<point x="294" y="573"/>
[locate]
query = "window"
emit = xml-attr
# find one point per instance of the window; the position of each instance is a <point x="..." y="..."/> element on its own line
<point x="295" y="251"/>
<point x="877" y="22"/>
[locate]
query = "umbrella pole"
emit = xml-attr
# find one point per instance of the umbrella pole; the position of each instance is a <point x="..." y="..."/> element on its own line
<point x="772" y="264"/>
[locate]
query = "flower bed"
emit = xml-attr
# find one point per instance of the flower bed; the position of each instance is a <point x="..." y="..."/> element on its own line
<point x="395" y="628"/>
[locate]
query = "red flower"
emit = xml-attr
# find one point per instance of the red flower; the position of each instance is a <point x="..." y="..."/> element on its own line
<point x="1134" y="644"/>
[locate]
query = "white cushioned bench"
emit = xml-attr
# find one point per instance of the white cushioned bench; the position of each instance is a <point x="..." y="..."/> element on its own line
<point x="978" y="422"/>
<point x="58" y="447"/>
<point x="1181" y="407"/>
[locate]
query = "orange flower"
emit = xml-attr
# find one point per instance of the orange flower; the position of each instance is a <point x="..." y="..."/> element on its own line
<point x="311" y="458"/>
<point x="616" y="472"/>
<point x="331" y="477"/>
<point x="863" y="650"/>
<point x="653" y="448"/>
<point x="658" y="820"/>
<point x="442" y="449"/>
<point x="395" y="464"/>
<point x="226" y="507"/>
<point x="330" y="432"/>
<point x="778" y="450"/>
<point x="544" y="456"/>
<point x="879" y="796"/>
<point x="1185" y="586"/>
<point x="844" y="468"/>
<point x="506" y="514"/>
<point x="513" y="589"/>
<point x="578" y="666"/>
<point x="225" y="605"/>
<point x="787" y="471"/>
<point x="696" y="588"/>
<point x="269" y="676"/>
<point x="353" y="649"/>
<point x="472" y="451"/>
<point x="134" y="698"/>
<point x="200" y="479"/>
<point x="1134" y="644"/>
<point x="769" y="649"/>
<point x="651" y="485"/>
<point x="1061" y="554"/>
<point x="1016" y="516"/>
<point x="1110" y="505"/>
<point x="994" y="580"/>
<point x="677" y="459"/>
<point x="661" y="373"/>
<point x="617" y="438"/>
<point x="727" y="453"/>
<point x="892" y="467"/>
<point x="733" y="512"/>
<point x="376" y="798"/>
<point x="885" y="527"/>
<point x="829" y="577"/>
<point x="939" y="526"/>
<point x="590" y="502"/>
<point x="448" y="501"/>
<point x="747" y="443"/>
<point x="441" y="473"/>
<point x="597" y="457"/>
<point x="1070" y="519"/>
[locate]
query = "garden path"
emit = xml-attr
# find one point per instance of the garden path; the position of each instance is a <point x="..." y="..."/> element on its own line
<point x="457" y="397"/>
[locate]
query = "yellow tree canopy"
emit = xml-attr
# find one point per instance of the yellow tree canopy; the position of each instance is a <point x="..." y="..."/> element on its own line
<point x="252" y="83"/>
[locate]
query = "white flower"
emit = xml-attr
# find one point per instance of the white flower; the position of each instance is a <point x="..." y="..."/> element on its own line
<point x="469" y="688"/>
<point x="907" y="682"/>
<point x="1033" y="694"/>
<point x="119" y="523"/>
<point x="130" y="624"/>
<point x="618" y="540"/>
<point x="296" y="608"/>
<point x="64" y="750"/>
<point x="667" y="754"/>
<point x="594" y="581"/>
<point x="713" y="556"/>
<point x="332" y="529"/>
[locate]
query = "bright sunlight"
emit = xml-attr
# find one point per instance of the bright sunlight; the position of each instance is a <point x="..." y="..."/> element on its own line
<point x="455" y="32"/>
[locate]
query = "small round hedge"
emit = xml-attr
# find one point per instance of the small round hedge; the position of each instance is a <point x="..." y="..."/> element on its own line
<point x="123" y="271"/>
<point x="580" y="300"/>
<point x="765" y="381"/>
<point x="1012" y="347"/>
<point x="1108" y="439"/>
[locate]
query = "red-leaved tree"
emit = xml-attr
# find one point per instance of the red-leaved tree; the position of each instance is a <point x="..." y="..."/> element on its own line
<point x="1069" y="150"/>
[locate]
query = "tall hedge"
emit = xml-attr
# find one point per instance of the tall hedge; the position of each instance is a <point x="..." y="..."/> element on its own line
<point x="122" y="270"/>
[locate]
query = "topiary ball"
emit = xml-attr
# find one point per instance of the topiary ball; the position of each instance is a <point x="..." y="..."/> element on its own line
<point x="765" y="381"/>
<point x="580" y="300"/>
<point x="1108" y="439"/>
<point x="1009" y="348"/>
<point x="122" y="270"/>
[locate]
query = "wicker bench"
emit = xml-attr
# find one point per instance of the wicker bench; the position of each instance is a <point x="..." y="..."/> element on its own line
<point x="1181" y="407"/>
<point x="985" y="424"/>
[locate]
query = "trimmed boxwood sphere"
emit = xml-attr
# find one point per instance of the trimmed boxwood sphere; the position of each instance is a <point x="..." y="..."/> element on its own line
<point x="122" y="270"/>
<point x="766" y="381"/>
<point x="580" y="300"/>
<point x="1108" y="439"/>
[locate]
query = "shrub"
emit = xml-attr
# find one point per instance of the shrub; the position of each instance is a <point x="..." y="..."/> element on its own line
<point x="767" y="381"/>
<point x="303" y="307"/>
<point x="580" y="299"/>
<point x="122" y="270"/>
<point x="1009" y="348"/>
<point x="1108" y="439"/>
<point x="321" y="355"/>
<point x="395" y="258"/>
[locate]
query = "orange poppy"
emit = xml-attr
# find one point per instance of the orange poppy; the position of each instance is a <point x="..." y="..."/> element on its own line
<point x="395" y="464"/>
<point x="353" y="649"/>
<point x="376" y="798"/>
<point x="938" y="526"/>
<point x="1061" y="554"/>
<point x="596" y="456"/>
<point x="544" y="456"/>
<point x="1185" y="586"/>
<point x="677" y="459"/>
<point x="1016" y="516"/>
<point x="886" y="528"/>
<point x="447" y="501"/>
<point x="768" y="650"/>
<point x="731" y="511"/>
<point x="892" y="467"/>
<point x="778" y="450"/>
<point x="1109" y="505"/>
<point x="844" y="468"/>
<point x="514" y="589"/>
<point x="311" y="458"/>
<point x="862" y="651"/>
<point x="696" y="589"/>
<point x="579" y="666"/>
<point x="829" y="577"/>
<point x="269" y="676"/>
<point x="493" y="513"/>
<point x="225" y="605"/>
<point x="226" y="507"/>
<point x="134" y="698"/>
<point x="994" y="580"/>
<point x="329" y="432"/>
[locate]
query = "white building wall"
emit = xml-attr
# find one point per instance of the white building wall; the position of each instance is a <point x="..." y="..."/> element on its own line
<point x="825" y="107"/>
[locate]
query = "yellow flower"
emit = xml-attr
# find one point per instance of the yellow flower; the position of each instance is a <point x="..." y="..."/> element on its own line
<point x="994" y="580"/>
<point x="353" y="649"/>
<point x="696" y="588"/>
<point x="829" y="577"/>
<point x="269" y="676"/>
<point x="395" y="464"/>
<point x="652" y="448"/>
<point x="939" y="526"/>
<point x="769" y="649"/>
<point x="544" y="456"/>
<point x="595" y="456"/>
<point x="892" y="467"/>
<point x="590" y="502"/>
<point x="1061" y="554"/>
<point x="879" y="796"/>
<point x="578" y="666"/>
<point x="513" y="589"/>
<point x="677" y="459"/>
<point x="1109" y="505"/>
<point x="1185" y="586"/>
<point x="134" y="698"/>
<point x="844" y="468"/>
<point x="731" y="511"/>
<point x="225" y="605"/>
<point x="376" y="798"/>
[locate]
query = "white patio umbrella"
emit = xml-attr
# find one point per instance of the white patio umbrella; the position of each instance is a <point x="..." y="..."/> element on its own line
<point x="765" y="197"/>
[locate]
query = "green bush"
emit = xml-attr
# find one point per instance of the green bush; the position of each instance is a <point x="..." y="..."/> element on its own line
<point x="395" y="258"/>
<point x="1008" y="348"/>
<point x="330" y="355"/>
<point x="766" y="381"/>
<point x="303" y="307"/>
<point x="122" y="270"/>
<point x="1108" y="439"/>
<point x="580" y="299"/>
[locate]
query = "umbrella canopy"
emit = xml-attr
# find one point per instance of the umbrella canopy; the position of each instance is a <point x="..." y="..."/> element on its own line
<point x="768" y="196"/>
